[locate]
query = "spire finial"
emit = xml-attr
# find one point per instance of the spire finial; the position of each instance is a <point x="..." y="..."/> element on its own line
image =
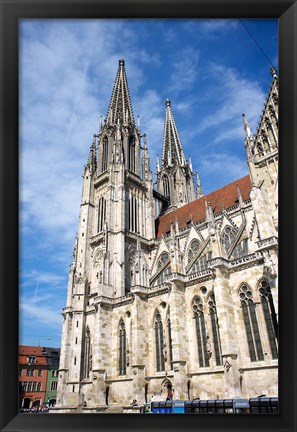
<point x="167" y="103"/>
<point x="121" y="63"/>
<point x="246" y="127"/>
<point x="273" y="72"/>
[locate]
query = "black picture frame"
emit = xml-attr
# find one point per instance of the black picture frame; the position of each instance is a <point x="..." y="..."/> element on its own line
<point x="11" y="12"/>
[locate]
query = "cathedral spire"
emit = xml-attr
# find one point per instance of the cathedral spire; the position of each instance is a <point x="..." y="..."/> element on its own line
<point x="172" y="153"/>
<point x="120" y="106"/>
<point x="175" y="177"/>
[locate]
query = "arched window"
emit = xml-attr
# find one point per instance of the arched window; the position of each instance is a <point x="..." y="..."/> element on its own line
<point x="260" y="149"/>
<point x="165" y="273"/>
<point x="215" y="328"/>
<point x="201" y="263"/>
<point x="122" y="348"/>
<point x="250" y="323"/>
<point x="87" y="355"/>
<point x="241" y="249"/>
<point x="131" y="165"/>
<point x="203" y="356"/>
<point x="159" y="343"/>
<point x="169" y="342"/>
<point x="104" y="153"/>
<point x="193" y="248"/>
<point x="165" y="186"/>
<point x="228" y="237"/>
<point x="269" y="316"/>
<point x="101" y="213"/>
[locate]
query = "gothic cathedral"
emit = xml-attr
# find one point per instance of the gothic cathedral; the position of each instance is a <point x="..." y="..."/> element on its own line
<point x="168" y="287"/>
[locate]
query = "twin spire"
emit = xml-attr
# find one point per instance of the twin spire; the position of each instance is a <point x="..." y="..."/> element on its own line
<point x="172" y="152"/>
<point x="120" y="107"/>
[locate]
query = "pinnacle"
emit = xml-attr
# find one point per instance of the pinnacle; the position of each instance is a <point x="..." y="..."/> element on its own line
<point x="172" y="149"/>
<point x="120" y="107"/>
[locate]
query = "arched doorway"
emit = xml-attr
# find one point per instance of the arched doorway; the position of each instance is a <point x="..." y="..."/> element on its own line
<point x="26" y="403"/>
<point x="167" y="387"/>
<point x="36" y="403"/>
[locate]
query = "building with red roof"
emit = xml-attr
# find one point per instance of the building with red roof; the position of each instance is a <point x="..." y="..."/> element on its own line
<point x="171" y="290"/>
<point x="35" y="363"/>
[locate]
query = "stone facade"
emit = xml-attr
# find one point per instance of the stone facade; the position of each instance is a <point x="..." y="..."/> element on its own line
<point x="186" y="298"/>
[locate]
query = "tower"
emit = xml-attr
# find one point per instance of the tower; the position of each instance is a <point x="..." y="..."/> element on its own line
<point x="187" y="301"/>
<point x="116" y="226"/>
<point x="175" y="177"/>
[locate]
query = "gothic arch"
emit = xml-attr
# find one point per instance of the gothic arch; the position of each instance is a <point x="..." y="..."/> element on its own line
<point x="193" y="247"/>
<point x="201" y="334"/>
<point x="159" y="341"/>
<point x="248" y="307"/>
<point x="269" y="315"/>
<point x="165" y="185"/>
<point x="162" y="269"/>
<point x="104" y="153"/>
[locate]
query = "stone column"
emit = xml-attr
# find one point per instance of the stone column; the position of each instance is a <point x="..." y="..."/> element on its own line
<point x="179" y="336"/>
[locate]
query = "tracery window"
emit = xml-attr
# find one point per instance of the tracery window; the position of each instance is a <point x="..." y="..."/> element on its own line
<point x="131" y="166"/>
<point x="269" y="316"/>
<point x="122" y="348"/>
<point x="201" y="336"/>
<point x="104" y="153"/>
<point x="166" y="186"/>
<point x="165" y="274"/>
<point x="133" y="213"/>
<point x="228" y="237"/>
<point x="193" y="248"/>
<point x="159" y="343"/>
<point x="215" y="328"/>
<point x="241" y="249"/>
<point x="202" y="263"/>
<point x="250" y="323"/>
<point x="101" y="213"/>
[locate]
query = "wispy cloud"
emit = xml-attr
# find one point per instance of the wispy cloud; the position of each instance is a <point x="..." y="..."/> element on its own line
<point x="184" y="70"/>
<point x="42" y="315"/>
<point x="235" y="95"/>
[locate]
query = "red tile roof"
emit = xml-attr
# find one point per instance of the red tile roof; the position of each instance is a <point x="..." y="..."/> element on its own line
<point x="225" y="197"/>
<point x="37" y="351"/>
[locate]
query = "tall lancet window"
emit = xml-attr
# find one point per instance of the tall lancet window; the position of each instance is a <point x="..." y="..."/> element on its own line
<point x="122" y="348"/>
<point x="104" y="153"/>
<point x="166" y="186"/>
<point x="228" y="237"/>
<point x="269" y="316"/>
<point x="131" y="153"/>
<point x="163" y="269"/>
<point x="169" y="342"/>
<point x="101" y="213"/>
<point x="159" y="343"/>
<point x="87" y="354"/>
<point x="215" y="328"/>
<point x="251" y="323"/>
<point x="201" y="336"/>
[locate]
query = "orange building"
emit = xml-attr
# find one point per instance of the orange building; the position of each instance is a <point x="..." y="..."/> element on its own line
<point x="33" y="371"/>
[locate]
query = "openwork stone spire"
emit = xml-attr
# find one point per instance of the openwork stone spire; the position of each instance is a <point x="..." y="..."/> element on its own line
<point x="172" y="153"/>
<point x="120" y="107"/>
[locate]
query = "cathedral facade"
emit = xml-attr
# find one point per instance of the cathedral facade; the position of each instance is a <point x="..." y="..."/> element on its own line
<point x="170" y="288"/>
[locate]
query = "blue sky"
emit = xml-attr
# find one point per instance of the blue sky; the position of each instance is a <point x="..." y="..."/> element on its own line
<point x="211" y="70"/>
